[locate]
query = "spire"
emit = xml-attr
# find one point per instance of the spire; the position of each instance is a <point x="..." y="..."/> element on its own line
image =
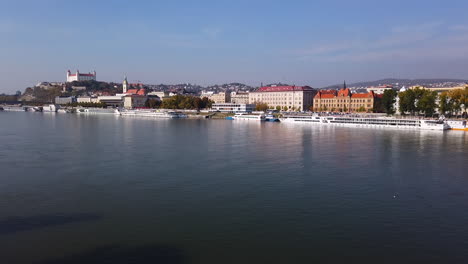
<point x="344" y="85"/>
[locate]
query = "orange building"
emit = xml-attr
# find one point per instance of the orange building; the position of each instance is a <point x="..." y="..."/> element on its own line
<point x="344" y="101"/>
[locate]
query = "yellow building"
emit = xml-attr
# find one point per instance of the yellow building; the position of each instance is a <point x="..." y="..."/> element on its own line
<point x="344" y="101"/>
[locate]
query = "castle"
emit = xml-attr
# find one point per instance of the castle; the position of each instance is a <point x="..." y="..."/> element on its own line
<point x="81" y="76"/>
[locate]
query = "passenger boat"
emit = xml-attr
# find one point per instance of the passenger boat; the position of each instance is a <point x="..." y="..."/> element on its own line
<point x="242" y="116"/>
<point x="271" y="118"/>
<point x="95" y="111"/>
<point x="50" y="108"/>
<point x="457" y="125"/>
<point x="378" y="122"/>
<point x="150" y="113"/>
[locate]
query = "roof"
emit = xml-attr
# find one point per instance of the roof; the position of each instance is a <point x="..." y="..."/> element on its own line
<point x="363" y="95"/>
<point x="344" y="92"/>
<point x="325" y="94"/>
<point x="284" y="88"/>
<point x="136" y="91"/>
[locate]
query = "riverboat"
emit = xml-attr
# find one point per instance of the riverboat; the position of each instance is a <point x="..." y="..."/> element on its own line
<point x="150" y="113"/>
<point x="271" y="118"/>
<point x="457" y="125"/>
<point x="242" y="116"/>
<point x="378" y="122"/>
<point x="95" y="111"/>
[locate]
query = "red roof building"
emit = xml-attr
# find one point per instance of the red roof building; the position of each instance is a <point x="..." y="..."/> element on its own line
<point x="344" y="101"/>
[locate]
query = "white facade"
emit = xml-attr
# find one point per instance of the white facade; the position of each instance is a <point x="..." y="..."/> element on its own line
<point x="239" y="98"/>
<point x="87" y="99"/>
<point x="233" y="107"/>
<point x="289" y="97"/>
<point x="71" y="77"/>
<point x="379" y="89"/>
<point x="133" y="101"/>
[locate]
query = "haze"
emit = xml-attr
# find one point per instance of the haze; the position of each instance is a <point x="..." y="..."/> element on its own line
<point x="314" y="43"/>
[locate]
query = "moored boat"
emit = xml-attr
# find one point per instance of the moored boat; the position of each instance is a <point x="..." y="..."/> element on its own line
<point x="248" y="117"/>
<point x="150" y="113"/>
<point x="457" y="125"/>
<point x="378" y="122"/>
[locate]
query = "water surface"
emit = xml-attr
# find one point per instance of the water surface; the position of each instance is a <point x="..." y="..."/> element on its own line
<point x="106" y="189"/>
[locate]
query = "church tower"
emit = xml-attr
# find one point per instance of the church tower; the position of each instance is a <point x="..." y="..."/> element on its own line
<point x="125" y="85"/>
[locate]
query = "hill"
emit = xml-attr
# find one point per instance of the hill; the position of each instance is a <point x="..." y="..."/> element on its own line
<point x="404" y="82"/>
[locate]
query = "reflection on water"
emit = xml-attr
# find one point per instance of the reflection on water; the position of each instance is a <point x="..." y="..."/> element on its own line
<point x="196" y="191"/>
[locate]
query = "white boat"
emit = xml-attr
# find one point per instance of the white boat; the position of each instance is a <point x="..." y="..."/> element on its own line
<point x="242" y="116"/>
<point x="63" y="111"/>
<point x="378" y="122"/>
<point x="50" y="108"/>
<point x="149" y="113"/>
<point x="457" y="125"/>
<point x="94" y="111"/>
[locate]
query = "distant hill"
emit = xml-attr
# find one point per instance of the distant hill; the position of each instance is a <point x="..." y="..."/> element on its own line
<point x="403" y="82"/>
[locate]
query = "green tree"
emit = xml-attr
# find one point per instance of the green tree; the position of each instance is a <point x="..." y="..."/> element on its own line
<point x="407" y="102"/>
<point x="388" y="101"/>
<point x="285" y="108"/>
<point x="261" y="107"/>
<point x="427" y="102"/>
<point x="278" y="108"/>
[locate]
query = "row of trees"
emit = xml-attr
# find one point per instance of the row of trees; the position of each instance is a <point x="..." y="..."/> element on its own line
<point x="454" y="101"/>
<point x="180" y="102"/>
<point x="423" y="101"/>
<point x="98" y="105"/>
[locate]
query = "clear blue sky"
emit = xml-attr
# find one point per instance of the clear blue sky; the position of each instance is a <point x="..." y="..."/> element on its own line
<point x="317" y="43"/>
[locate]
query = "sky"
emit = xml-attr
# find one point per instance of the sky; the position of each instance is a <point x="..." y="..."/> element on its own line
<point x="315" y="43"/>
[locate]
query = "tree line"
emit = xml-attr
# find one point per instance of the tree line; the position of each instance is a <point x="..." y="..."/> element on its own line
<point x="422" y="101"/>
<point x="180" y="102"/>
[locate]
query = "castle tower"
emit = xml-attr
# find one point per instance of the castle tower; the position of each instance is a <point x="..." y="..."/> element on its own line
<point x="125" y="85"/>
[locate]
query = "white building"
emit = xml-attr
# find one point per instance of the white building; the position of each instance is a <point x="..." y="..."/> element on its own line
<point x="239" y="97"/>
<point x="87" y="99"/>
<point x="71" y="77"/>
<point x="133" y="101"/>
<point x="233" y="107"/>
<point x="379" y="89"/>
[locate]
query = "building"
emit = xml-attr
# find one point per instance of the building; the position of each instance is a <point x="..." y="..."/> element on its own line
<point x="160" y="94"/>
<point x="239" y="97"/>
<point x="298" y="98"/>
<point x="111" y="100"/>
<point x="63" y="100"/>
<point x="221" y="98"/>
<point x="87" y="99"/>
<point x="379" y="89"/>
<point x="439" y="90"/>
<point x="207" y="94"/>
<point x="81" y="76"/>
<point x="344" y="101"/>
<point x="233" y="107"/>
<point x="134" y="101"/>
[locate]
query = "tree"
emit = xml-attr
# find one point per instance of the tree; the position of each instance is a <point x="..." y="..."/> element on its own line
<point x="388" y="101"/>
<point x="361" y="109"/>
<point x="445" y="104"/>
<point x="261" y="107"/>
<point x="285" y="108"/>
<point x="278" y="108"/>
<point x="407" y="102"/>
<point x="345" y="109"/>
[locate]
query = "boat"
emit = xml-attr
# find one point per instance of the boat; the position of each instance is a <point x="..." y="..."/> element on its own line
<point x="95" y="111"/>
<point x="50" y="108"/>
<point x="242" y="116"/>
<point x="150" y="113"/>
<point x="63" y="111"/>
<point x="271" y="118"/>
<point x="378" y="122"/>
<point x="457" y="125"/>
